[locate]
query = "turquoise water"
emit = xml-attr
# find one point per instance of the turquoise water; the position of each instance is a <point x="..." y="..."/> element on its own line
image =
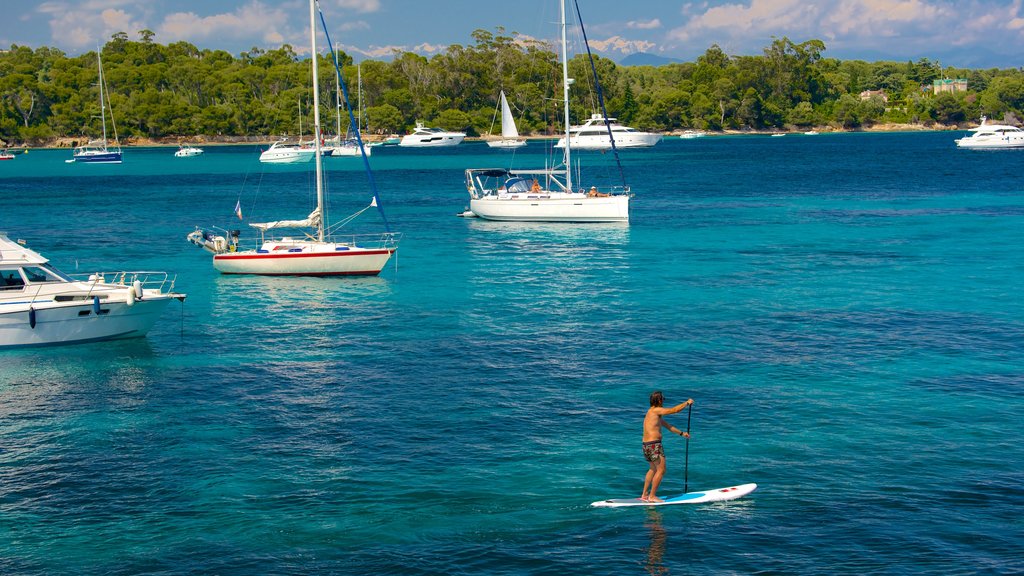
<point x="844" y="309"/>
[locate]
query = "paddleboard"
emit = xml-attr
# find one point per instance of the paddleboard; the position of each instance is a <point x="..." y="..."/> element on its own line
<point x="718" y="495"/>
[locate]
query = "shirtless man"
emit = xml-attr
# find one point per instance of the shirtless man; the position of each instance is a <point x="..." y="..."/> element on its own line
<point x="653" y="451"/>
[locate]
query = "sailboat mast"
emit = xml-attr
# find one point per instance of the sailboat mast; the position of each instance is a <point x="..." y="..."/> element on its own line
<point x="337" y="93"/>
<point x="103" y="114"/>
<point x="316" y="122"/>
<point x="359" y="96"/>
<point x="565" y="97"/>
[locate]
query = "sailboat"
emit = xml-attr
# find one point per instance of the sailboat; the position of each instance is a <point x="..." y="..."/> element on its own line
<point x="318" y="251"/>
<point x="347" y="147"/>
<point x="548" y="194"/>
<point x="97" y="151"/>
<point x="509" y="133"/>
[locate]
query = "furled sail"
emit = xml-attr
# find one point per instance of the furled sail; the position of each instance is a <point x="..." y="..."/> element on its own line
<point x="311" y="221"/>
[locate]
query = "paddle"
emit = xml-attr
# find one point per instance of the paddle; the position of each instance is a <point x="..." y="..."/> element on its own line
<point x="686" y="469"/>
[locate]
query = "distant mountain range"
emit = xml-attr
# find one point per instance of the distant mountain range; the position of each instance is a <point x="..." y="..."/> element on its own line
<point x="645" y="59"/>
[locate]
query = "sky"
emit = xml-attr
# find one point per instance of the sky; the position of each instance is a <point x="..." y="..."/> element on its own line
<point x="961" y="33"/>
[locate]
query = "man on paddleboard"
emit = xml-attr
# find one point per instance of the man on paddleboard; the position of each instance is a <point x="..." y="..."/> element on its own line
<point x="653" y="451"/>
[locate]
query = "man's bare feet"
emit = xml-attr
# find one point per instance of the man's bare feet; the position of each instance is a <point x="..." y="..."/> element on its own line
<point x="654" y="499"/>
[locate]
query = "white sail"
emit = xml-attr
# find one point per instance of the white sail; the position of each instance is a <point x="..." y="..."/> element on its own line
<point x="311" y="221"/>
<point x="508" y="124"/>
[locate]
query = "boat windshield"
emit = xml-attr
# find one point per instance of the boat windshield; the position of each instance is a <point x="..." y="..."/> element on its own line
<point x="39" y="275"/>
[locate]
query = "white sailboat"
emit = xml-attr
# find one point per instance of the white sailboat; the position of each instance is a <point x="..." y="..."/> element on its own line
<point x="317" y="251"/>
<point x="349" y="146"/>
<point x="545" y="195"/>
<point x="98" y="151"/>
<point x="509" y="132"/>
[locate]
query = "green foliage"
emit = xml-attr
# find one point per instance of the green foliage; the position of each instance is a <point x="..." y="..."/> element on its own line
<point x="174" y="90"/>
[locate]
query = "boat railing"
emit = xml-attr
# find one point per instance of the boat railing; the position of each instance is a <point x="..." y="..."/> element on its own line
<point x="384" y="240"/>
<point x="149" y="279"/>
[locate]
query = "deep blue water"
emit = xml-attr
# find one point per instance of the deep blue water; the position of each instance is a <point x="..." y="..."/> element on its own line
<point x="845" y="310"/>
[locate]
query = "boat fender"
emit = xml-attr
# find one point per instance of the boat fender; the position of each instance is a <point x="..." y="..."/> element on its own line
<point x="32" y="317"/>
<point x="96" y="305"/>
<point x="129" y="299"/>
<point x="137" y="289"/>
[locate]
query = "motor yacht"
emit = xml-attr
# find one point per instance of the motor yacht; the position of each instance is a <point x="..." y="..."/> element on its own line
<point x="39" y="305"/>
<point x="434" y="137"/>
<point x="993" y="136"/>
<point x="593" y="135"/>
<point x="187" y="152"/>
<point x="283" y="152"/>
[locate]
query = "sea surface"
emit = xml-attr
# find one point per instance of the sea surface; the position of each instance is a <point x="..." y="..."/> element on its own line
<point x="845" y="310"/>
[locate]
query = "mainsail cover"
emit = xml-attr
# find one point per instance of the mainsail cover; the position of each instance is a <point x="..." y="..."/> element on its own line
<point x="508" y="124"/>
<point x="311" y="221"/>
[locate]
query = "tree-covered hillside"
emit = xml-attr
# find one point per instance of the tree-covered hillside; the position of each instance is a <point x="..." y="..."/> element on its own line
<point x="179" y="90"/>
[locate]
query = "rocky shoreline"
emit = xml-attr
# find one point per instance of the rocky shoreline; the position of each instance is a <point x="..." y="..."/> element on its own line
<point x="133" y="141"/>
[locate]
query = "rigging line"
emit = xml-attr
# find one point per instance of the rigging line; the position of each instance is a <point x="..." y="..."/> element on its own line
<point x="352" y="121"/>
<point x="600" y="95"/>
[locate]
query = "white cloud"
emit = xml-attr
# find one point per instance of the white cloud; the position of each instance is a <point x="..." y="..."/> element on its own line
<point x="897" y="26"/>
<point x="363" y="6"/>
<point x="622" y="45"/>
<point x="90" y="24"/>
<point x="385" y="52"/>
<point x="354" y="25"/>
<point x="254" y="20"/>
<point x="644" y="25"/>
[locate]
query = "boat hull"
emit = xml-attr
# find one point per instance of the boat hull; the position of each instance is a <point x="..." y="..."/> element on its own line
<point x="348" y="151"/>
<point x="991" y="143"/>
<point x="506" y="144"/>
<point x="413" y="141"/>
<point x="537" y="208"/>
<point x="76" y="323"/>
<point x="286" y="157"/>
<point x="603" y="143"/>
<point x="344" y="262"/>
<point x="100" y="158"/>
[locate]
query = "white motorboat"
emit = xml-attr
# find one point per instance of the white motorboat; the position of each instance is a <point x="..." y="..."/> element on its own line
<point x="509" y="132"/>
<point x="98" y="151"/>
<point x="187" y="152"/>
<point x="992" y="136"/>
<point x="316" y="250"/>
<point x="689" y="134"/>
<point x="431" y="137"/>
<point x="40" y="305"/>
<point x="284" y="152"/>
<point x="5" y="155"/>
<point x="545" y="195"/>
<point x="593" y="135"/>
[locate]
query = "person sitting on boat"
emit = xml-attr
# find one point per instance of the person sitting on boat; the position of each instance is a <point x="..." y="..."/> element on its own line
<point x="535" y="187"/>
<point x="595" y="194"/>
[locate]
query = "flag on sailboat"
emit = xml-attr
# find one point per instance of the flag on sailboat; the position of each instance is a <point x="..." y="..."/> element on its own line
<point x="238" y="209"/>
